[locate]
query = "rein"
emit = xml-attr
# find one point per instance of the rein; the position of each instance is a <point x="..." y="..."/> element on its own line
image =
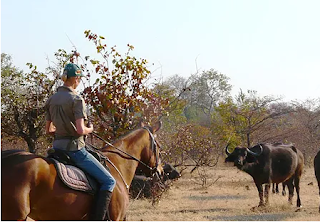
<point x="109" y="161"/>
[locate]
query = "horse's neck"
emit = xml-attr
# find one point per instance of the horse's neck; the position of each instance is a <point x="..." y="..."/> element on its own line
<point x="124" y="163"/>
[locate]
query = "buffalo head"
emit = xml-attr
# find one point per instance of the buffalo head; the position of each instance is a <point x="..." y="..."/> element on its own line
<point x="242" y="155"/>
<point x="171" y="173"/>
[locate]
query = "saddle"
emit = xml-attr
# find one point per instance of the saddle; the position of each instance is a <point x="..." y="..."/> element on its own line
<point x="71" y="175"/>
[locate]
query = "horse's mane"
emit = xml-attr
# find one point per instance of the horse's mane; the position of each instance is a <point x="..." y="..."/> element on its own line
<point x="6" y="153"/>
<point x="126" y="137"/>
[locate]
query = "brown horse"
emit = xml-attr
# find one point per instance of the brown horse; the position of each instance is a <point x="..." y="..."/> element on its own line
<point x="31" y="187"/>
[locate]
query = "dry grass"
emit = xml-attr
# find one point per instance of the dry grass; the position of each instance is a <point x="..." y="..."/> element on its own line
<point x="233" y="197"/>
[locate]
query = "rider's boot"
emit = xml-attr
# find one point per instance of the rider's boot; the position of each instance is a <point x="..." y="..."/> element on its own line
<point x="101" y="208"/>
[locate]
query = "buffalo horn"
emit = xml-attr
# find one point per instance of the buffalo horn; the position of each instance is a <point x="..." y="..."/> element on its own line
<point x="255" y="154"/>
<point x="227" y="151"/>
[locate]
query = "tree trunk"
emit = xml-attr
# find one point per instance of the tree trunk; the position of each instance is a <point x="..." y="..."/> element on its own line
<point x="248" y="140"/>
<point x="31" y="144"/>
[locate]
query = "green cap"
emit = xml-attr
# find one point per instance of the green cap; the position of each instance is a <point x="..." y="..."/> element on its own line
<point x="72" y="70"/>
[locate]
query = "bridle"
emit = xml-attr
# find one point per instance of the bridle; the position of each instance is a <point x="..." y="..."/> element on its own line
<point x="154" y="151"/>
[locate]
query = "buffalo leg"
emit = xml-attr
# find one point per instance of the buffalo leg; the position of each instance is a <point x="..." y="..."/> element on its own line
<point x="297" y="186"/>
<point x="289" y="183"/>
<point x="283" y="189"/>
<point x="260" y="190"/>
<point x="275" y="188"/>
<point x="266" y="193"/>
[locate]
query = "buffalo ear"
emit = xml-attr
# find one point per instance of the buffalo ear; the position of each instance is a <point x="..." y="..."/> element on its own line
<point x="256" y="150"/>
<point x="251" y="159"/>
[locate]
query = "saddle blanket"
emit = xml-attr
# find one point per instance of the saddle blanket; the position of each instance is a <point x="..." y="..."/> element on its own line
<point x="75" y="178"/>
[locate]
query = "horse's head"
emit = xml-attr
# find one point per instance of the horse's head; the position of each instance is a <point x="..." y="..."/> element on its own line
<point x="150" y="155"/>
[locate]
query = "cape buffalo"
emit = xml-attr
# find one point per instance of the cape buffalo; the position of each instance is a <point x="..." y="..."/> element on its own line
<point x="317" y="170"/>
<point x="270" y="163"/>
<point x="141" y="185"/>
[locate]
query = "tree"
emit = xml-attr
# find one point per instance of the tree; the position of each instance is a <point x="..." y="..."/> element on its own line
<point x="119" y="98"/>
<point x="207" y="90"/>
<point x="173" y="111"/>
<point x="246" y="115"/>
<point x="178" y="85"/>
<point x="23" y="96"/>
<point x="305" y="126"/>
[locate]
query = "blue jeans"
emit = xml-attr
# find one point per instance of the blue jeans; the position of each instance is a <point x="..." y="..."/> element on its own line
<point x="87" y="162"/>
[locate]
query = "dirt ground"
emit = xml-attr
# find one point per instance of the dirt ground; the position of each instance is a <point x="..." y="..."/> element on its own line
<point x="233" y="197"/>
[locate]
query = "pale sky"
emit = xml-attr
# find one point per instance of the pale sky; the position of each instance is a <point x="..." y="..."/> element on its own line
<point x="271" y="46"/>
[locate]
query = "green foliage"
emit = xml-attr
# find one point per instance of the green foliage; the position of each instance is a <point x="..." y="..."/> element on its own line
<point x="186" y="141"/>
<point x="173" y="112"/>
<point x="244" y="115"/>
<point x="206" y="91"/>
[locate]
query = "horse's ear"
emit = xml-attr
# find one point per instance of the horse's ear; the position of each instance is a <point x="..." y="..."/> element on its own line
<point x="157" y="126"/>
<point x="141" y="124"/>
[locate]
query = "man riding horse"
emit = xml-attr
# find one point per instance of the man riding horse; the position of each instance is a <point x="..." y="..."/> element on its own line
<point x="65" y="116"/>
